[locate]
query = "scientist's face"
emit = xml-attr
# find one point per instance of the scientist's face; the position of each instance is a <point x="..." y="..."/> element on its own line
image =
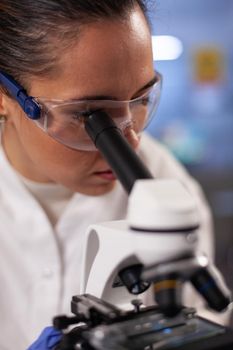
<point x="110" y="58"/>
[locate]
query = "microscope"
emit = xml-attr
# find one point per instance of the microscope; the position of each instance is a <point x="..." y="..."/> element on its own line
<point x="153" y="251"/>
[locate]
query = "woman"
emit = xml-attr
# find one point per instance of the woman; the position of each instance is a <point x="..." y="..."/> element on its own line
<point x="72" y="56"/>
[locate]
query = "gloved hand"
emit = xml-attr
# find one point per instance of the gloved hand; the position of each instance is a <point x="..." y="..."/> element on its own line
<point x="47" y="340"/>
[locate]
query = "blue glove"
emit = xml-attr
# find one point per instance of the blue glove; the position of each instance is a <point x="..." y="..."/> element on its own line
<point x="47" y="340"/>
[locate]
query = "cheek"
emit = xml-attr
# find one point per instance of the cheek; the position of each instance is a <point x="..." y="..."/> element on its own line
<point x="49" y="155"/>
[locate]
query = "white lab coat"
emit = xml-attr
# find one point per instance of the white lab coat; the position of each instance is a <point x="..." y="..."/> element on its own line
<point x="40" y="265"/>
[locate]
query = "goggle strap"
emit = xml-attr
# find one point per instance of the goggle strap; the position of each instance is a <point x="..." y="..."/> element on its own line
<point x="27" y="103"/>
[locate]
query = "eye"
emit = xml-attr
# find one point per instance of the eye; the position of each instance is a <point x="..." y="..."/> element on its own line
<point x="145" y="100"/>
<point x="81" y="115"/>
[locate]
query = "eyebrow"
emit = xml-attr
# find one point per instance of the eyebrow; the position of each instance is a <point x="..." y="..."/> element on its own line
<point x="109" y="97"/>
<point x="148" y="85"/>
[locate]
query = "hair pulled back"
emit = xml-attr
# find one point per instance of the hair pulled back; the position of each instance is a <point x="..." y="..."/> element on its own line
<point x="27" y="28"/>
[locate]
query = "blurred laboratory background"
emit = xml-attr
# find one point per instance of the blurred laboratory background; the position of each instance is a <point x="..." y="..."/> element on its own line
<point x="193" y="49"/>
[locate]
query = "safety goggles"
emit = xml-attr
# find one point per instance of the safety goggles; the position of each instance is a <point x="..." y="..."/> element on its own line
<point x="64" y="120"/>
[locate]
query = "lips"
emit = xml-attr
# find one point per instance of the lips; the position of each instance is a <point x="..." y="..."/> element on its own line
<point x="106" y="174"/>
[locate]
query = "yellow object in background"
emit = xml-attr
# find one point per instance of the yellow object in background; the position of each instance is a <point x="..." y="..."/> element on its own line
<point x="209" y="65"/>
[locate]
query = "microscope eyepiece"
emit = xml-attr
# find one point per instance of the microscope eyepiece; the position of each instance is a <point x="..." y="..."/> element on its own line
<point x="115" y="148"/>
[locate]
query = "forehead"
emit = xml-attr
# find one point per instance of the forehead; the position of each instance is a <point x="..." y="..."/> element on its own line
<point x="108" y="55"/>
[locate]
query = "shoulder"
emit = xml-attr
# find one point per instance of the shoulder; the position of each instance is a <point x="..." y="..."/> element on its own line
<point x="163" y="164"/>
<point x="159" y="159"/>
<point x="150" y="147"/>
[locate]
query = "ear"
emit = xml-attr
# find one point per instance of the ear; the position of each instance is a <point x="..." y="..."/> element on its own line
<point x="3" y="111"/>
<point x="7" y="105"/>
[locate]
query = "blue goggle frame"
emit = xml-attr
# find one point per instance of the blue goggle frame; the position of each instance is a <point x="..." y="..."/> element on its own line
<point x="28" y="103"/>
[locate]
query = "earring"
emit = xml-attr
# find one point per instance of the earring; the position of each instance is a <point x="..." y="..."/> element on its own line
<point x="2" y="119"/>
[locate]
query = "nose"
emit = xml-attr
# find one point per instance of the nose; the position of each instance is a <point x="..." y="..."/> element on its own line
<point x="127" y="126"/>
<point x="132" y="137"/>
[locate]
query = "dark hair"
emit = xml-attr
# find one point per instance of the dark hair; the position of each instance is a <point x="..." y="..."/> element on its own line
<point x="27" y="27"/>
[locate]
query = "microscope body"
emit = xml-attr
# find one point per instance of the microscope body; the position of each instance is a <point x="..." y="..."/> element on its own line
<point x="161" y="227"/>
<point x="121" y="260"/>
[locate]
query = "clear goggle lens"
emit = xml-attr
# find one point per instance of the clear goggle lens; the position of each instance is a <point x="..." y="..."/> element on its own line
<point x="64" y="121"/>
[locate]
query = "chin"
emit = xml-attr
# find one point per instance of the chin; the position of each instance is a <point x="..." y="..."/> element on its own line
<point x="95" y="190"/>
